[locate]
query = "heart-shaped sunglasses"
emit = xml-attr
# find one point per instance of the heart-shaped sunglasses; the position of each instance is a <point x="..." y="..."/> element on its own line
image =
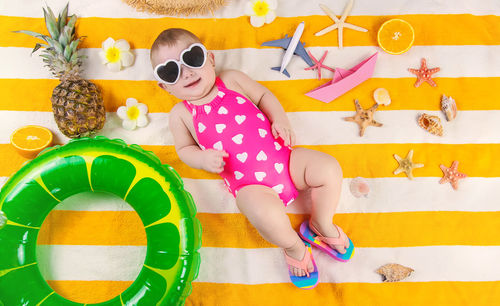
<point x="193" y="56"/>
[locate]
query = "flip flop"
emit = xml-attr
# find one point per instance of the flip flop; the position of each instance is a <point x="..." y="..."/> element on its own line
<point x="311" y="279"/>
<point x="311" y="235"/>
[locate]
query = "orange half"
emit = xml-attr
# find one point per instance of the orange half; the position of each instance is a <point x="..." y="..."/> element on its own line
<point x="30" y="140"/>
<point x="395" y="36"/>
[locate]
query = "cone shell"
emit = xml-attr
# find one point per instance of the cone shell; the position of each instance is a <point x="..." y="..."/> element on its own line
<point x="394" y="272"/>
<point x="431" y="124"/>
<point x="449" y="107"/>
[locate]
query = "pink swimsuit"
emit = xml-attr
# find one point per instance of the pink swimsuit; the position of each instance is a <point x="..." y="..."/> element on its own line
<point x="232" y="123"/>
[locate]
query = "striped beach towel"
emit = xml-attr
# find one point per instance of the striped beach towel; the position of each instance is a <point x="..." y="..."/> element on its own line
<point x="92" y="246"/>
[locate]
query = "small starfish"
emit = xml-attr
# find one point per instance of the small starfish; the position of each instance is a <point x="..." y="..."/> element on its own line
<point x="363" y="117"/>
<point x="406" y="165"/>
<point x="339" y="24"/>
<point x="451" y="175"/>
<point x="319" y="64"/>
<point x="424" y="74"/>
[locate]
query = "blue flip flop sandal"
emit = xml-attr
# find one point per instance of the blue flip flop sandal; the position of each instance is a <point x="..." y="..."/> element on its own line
<point x="308" y="281"/>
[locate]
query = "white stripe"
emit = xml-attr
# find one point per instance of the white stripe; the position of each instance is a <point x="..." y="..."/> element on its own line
<point x="311" y="128"/>
<point x="484" y="63"/>
<point x="387" y="195"/>
<point x="233" y="9"/>
<point x="267" y="265"/>
<point x="90" y="262"/>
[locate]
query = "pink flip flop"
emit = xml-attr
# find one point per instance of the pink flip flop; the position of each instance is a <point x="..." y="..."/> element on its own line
<point x="311" y="279"/>
<point x="310" y="234"/>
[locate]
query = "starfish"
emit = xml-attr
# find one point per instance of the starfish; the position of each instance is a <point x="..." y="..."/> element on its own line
<point x="339" y="24"/>
<point x="319" y="64"/>
<point x="451" y="175"/>
<point x="406" y="165"/>
<point x="424" y="74"/>
<point x="364" y="117"/>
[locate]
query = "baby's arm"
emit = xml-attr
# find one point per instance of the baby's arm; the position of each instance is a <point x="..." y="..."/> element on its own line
<point x="188" y="150"/>
<point x="267" y="102"/>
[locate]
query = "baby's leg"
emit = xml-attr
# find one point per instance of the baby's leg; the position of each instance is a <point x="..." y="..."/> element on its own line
<point x="265" y="210"/>
<point x="323" y="174"/>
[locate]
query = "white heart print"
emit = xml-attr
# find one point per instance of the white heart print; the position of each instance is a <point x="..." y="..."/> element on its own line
<point x="221" y="94"/>
<point x="262" y="133"/>
<point x="278" y="188"/>
<point x="222" y="111"/>
<point x="261" y="117"/>
<point x="242" y="157"/>
<point x="240" y="118"/>
<point x="261" y="156"/>
<point x="201" y="127"/>
<point x="240" y="100"/>
<point x="207" y="109"/>
<point x="260" y="176"/>
<point x="220" y="127"/>
<point x="238" y="139"/>
<point x="279" y="167"/>
<point x="218" y="145"/>
<point x="238" y="175"/>
<point x="277" y="146"/>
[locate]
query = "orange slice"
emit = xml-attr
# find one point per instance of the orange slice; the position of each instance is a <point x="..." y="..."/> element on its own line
<point x="30" y="140"/>
<point x="395" y="36"/>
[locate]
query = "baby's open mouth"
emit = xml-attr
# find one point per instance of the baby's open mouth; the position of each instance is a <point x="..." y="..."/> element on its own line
<point x="192" y="84"/>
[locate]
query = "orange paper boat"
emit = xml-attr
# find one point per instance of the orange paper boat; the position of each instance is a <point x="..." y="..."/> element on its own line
<point x="344" y="80"/>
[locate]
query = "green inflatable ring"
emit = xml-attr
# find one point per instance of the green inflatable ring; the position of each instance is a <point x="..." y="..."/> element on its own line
<point x="154" y="190"/>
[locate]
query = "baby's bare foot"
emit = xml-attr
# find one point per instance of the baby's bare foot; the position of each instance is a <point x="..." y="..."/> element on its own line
<point x="297" y="252"/>
<point x="331" y="231"/>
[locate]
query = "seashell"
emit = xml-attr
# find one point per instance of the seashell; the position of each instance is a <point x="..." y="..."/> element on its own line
<point x="359" y="187"/>
<point x="449" y="107"/>
<point x="381" y="96"/>
<point x="394" y="272"/>
<point x="431" y="124"/>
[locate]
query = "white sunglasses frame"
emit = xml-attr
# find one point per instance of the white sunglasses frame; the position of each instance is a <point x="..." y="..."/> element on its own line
<point x="179" y="62"/>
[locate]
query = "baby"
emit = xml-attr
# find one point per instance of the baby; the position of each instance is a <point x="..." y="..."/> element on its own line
<point x="232" y="125"/>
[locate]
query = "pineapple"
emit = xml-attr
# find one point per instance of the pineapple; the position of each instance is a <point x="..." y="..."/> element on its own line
<point x="76" y="103"/>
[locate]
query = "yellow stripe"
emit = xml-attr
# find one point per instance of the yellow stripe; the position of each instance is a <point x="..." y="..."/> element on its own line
<point x="89" y="292"/>
<point x="366" y="160"/>
<point x="365" y="229"/>
<point x="401" y="293"/>
<point x="461" y="29"/>
<point x="345" y="294"/>
<point x="469" y="93"/>
<point x="92" y="228"/>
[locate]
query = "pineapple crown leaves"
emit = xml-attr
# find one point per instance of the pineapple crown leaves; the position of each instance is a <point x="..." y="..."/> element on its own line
<point x="60" y="54"/>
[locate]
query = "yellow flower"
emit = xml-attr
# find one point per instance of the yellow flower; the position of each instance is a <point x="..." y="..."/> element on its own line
<point x="261" y="11"/>
<point x="116" y="54"/>
<point x="133" y="115"/>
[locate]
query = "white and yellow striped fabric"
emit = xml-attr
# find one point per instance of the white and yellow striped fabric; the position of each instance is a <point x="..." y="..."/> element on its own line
<point x="92" y="246"/>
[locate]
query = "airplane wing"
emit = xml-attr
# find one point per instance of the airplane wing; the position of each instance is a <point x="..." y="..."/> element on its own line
<point x="283" y="43"/>
<point x="301" y="51"/>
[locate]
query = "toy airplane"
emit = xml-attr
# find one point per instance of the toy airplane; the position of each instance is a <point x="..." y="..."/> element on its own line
<point x="292" y="46"/>
<point x="344" y="80"/>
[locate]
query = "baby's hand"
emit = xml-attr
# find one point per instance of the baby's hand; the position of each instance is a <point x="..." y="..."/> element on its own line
<point x="213" y="160"/>
<point x="285" y="132"/>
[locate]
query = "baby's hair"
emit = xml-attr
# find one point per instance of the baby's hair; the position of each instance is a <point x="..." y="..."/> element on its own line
<point x="170" y="37"/>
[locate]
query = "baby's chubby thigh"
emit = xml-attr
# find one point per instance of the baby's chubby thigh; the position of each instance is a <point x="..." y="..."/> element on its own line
<point x="311" y="168"/>
<point x="266" y="212"/>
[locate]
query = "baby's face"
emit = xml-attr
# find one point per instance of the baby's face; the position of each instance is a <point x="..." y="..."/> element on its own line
<point x="193" y="83"/>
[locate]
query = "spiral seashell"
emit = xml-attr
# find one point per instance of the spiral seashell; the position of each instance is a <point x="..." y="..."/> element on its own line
<point x="431" y="124"/>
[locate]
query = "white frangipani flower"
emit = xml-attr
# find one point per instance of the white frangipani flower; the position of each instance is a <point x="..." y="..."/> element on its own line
<point x="133" y="115"/>
<point x="261" y="11"/>
<point x="116" y="54"/>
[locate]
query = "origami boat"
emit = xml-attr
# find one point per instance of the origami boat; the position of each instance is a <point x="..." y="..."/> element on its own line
<point x="344" y="80"/>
